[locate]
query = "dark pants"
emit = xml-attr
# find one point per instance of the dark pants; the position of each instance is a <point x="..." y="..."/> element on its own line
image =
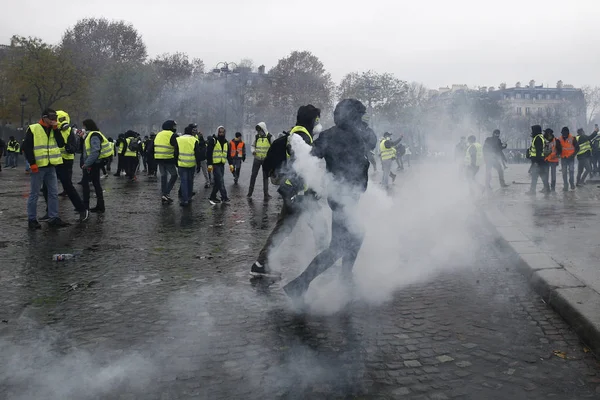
<point x="497" y="165"/>
<point x="120" y="164"/>
<point x="64" y="173"/>
<point x="152" y="166"/>
<point x="471" y="172"/>
<point x="237" y="165"/>
<point x="344" y="244"/>
<point x="551" y="175"/>
<point x="109" y="161"/>
<point x="171" y="169"/>
<point x="145" y="162"/>
<point x="93" y="175"/>
<point x="131" y="164"/>
<point x="539" y="170"/>
<point x="568" y="169"/>
<point x="219" y="186"/>
<point x="584" y="168"/>
<point x="186" y="185"/>
<point x="256" y="165"/>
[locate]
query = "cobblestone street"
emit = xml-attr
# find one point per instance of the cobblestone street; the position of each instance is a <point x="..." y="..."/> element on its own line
<point x="159" y="305"/>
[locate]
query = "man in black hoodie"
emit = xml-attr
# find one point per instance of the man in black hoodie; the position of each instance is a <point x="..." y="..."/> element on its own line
<point x="494" y="157"/>
<point x="344" y="148"/>
<point x="307" y="124"/>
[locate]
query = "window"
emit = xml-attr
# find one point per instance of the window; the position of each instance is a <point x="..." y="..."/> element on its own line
<point x="548" y="97"/>
<point x="526" y="95"/>
<point x="540" y="96"/>
<point x="519" y="111"/>
<point x="518" y="96"/>
<point x="527" y="110"/>
<point x="557" y="97"/>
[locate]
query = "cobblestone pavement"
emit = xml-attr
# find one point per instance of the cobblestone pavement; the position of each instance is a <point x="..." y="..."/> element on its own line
<point x="159" y="306"/>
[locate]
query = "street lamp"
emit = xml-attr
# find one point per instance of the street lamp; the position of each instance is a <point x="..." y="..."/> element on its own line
<point x="23" y="101"/>
<point x="223" y="68"/>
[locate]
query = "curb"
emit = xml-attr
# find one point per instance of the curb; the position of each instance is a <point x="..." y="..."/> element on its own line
<point x="568" y="296"/>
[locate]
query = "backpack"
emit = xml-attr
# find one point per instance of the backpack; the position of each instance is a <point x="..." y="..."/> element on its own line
<point x="276" y="157"/>
<point x="134" y="145"/>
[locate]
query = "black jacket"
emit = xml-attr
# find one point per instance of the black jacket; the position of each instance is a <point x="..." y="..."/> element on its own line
<point x="28" y="142"/>
<point x="492" y="148"/>
<point x="211" y="148"/>
<point x="345" y="150"/>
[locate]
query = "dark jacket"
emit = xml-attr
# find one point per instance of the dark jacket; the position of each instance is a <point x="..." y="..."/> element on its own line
<point x="28" y="142"/>
<point x="538" y="143"/>
<point x="202" y="144"/>
<point x="582" y="139"/>
<point x="492" y="149"/>
<point x="344" y="148"/>
<point x="211" y="148"/>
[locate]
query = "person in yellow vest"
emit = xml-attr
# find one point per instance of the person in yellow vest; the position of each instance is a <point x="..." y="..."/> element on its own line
<point x="143" y="153"/>
<point x="387" y="152"/>
<point x="12" y="153"/>
<point x="217" y="155"/>
<point x="539" y="167"/>
<point x="473" y="162"/>
<point x="188" y="162"/>
<point x="130" y="154"/>
<point x="118" y="151"/>
<point x="64" y="171"/>
<point x="165" y="155"/>
<point x="584" y="155"/>
<point x="96" y="149"/>
<point x="260" y="147"/>
<point x="41" y="147"/>
<point x="237" y="148"/>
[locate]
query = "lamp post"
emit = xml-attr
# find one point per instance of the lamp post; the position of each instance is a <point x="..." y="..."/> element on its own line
<point x="223" y="68"/>
<point x="23" y="101"/>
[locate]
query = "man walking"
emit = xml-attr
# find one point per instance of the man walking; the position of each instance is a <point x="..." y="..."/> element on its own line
<point x="569" y="147"/>
<point x="584" y="155"/>
<point x="344" y="148"/>
<point x="208" y="180"/>
<point x="165" y="154"/>
<point x="237" y="148"/>
<point x="260" y="147"/>
<point x="472" y="161"/>
<point x="551" y="153"/>
<point x="216" y="157"/>
<point x="387" y="152"/>
<point x="188" y="161"/>
<point x="494" y="157"/>
<point x="12" y="153"/>
<point x="41" y="146"/>
<point x="538" y="163"/>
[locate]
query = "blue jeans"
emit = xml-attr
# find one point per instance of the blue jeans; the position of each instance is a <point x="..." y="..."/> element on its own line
<point x="47" y="176"/>
<point x="11" y="159"/>
<point x="219" y="174"/>
<point x="171" y="169"/>
<point x="187" y="183"/>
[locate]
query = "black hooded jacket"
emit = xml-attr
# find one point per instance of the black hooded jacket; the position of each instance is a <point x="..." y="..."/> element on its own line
<point x="345" y="147"/>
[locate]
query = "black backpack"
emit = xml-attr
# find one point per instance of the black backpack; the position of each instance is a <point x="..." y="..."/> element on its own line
<point x="276" y="157"/>
<point x="134" y="145"/>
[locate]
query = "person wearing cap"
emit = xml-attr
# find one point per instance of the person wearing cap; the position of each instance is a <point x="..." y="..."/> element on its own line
<point x="584" y="155"/>
<point x="41" y="147"/>
<point x="260" y="148"/>
<point x="551" y="152"/>
<point x="344" y="148"/>
<point x="297" y="199"/>
<point x="569" y="147"/>
<point x="165" y="154"/>
<point x="387" y="152"/>
<point x="237" y="148"/>
<point x="494" y="157"/>
<point x="188" y="162"/>
<point x="539" y="167"/>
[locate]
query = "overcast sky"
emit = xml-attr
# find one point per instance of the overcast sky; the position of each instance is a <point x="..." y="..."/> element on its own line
<point x="436" y="42"/>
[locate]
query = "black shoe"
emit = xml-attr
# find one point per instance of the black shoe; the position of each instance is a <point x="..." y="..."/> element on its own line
<point x="249" y="195"/>
<point x="235" y="181"/>
<point x="207" y="186"/>
<point x="184" y="204"/>
<point x="214" y="201"/>
<point x="63" y="194"/>
<point x="164" y="199"/>
<point x="294" y="291"/>
<point x="393" y="178"/>
<point x="45" y="218"/>
<point x="58" y="223"/>
<point x="97" y="209"/>
<point x="504" y="185"/>
<point x="84" y="215"/>
<point x="259" y="271"/>
<point x="171" y="201"/>
<point x="33" y="224"/>
<point x="225" y="201"/>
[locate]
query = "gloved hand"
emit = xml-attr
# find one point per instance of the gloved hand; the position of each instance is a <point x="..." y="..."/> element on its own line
<point x="34" y="168"/>
<point x="231" y="168"/>
<point x="210" y="169"/>
<point x="244" y="159"/>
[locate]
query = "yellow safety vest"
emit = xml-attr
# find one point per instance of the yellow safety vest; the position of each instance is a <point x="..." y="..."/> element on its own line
<point x="478" y="157"/>
<point x="384" y="152"/>
<point x="294" y="130"/>
<point x="12" y="146"/>
<point x="532" y="151"/>
<point x="45" y="149"/>
<point x="129" y="153"/>
<point x="220" y="152"/>
<point x="262" y="147"/>
<point x="65" y="134"/>
<point x="583" y="147"/>
<point x="112" y="148"/>
<point x="105" y="147"/>
<point x="187" y="157"/>
<point x="162" y="146"/>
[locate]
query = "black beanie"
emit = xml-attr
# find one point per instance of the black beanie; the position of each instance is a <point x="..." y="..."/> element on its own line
<point x="169" y="125"/>
<point x="306" y="116"/>
<point x="564" y="130"/>
<point x="238" y="134"/>
<point x="536" y="130"/>
<point x="188" y="130"/>
<point x="348" y="111"/>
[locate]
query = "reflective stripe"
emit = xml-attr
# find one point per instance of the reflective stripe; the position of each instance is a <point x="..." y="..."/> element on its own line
<point x="187" y="158"/>
<point x="129" y="153"/>
<point x="163" y="141"/>
<point x="384" y="152"/>
<point x="583" y="147"/>
<point x="45" y="149"/>
<point x="220" y="153"/>
<point x="478" y="155"/>
<point x="295" y="129"/>
<point x="105" y="147"/>
<point x="532" y="151"/>
<point x="262" y="147"/>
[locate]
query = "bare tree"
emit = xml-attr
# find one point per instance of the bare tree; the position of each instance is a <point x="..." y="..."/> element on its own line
<point x="592" y="101"/>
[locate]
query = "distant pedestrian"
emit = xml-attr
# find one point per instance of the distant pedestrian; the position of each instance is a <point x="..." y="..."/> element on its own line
<point x="584" y="155"/>
<point x="165" y="154"/>
<point x="188" y="162"/>
<point x="96" y="149"/>
<point x="216" y="156"/>
<point x="208" y="180"/>
<point x="473" y="160"/>
<point x="12" y="153"/>
<point x="552" y="151"/>
<point x="569" y="147"/>
<point x="260" y="147"/>
<point x="237" y="150"/>
<point x="538" y="163"/>
<point x="494" y="157"/>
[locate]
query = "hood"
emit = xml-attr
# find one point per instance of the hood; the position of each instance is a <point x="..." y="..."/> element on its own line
<point x="348" y="112"/>
<point x="263" y="126"/>
<point x="217" y="131"/>
<point x="62" y="118"/>
<point x="169" y="125"/>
